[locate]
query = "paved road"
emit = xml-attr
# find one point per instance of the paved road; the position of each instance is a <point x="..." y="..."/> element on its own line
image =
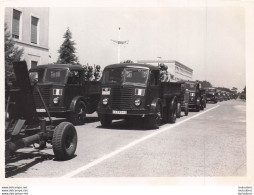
<point x="207" y="143"/>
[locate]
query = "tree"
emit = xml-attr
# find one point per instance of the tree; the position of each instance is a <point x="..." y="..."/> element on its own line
<point x="204" y="84"/>
<point x="67" y="50"/>
<point x="244" y="90"/>
<point x="12" y="53"/>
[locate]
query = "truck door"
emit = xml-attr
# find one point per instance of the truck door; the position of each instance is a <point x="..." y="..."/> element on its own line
<point x="74" y="86"/>
<point x="154" y="85"/>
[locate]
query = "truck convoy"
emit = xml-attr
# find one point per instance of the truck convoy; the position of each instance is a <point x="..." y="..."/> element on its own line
<point x="66" y="91"/>
<point x="131" y="90"/>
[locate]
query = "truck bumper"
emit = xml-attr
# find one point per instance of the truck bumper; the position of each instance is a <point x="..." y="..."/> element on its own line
<point x="124" y="113"/>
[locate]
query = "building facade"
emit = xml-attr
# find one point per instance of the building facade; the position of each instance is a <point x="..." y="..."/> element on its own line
<point x="29" y="27"/>
<point x="176" y="70"/>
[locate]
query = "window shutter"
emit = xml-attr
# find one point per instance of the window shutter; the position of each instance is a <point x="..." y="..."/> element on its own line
<point x="34" y="29"/>
<point x="15" y="23"/>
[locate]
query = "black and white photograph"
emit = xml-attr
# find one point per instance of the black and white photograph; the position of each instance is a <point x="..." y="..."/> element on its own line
<point x="150" y="93"/>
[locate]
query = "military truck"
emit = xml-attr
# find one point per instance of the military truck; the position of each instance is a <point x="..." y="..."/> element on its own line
<point x="183" y="105"/>
<point x="212" y="94"/>
<point x="195" y="100"/>
<point x="203" y="99"/>
<point x="130" y="90"/>
<point x="66" y="92"/>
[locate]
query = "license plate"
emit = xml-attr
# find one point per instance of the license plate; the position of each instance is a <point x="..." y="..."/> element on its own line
<point x="119" y="112"/>
<point x="40" y="110"/>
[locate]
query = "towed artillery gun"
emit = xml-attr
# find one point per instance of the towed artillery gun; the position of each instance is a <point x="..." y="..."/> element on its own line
<point x="24" y="127"/>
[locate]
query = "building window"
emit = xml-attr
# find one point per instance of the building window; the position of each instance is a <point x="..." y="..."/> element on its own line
<point x="34" y="30"/>
<point x="16" y="24"/>
<point x="34" y="64"/>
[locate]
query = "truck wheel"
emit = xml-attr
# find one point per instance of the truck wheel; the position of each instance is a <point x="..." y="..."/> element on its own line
<point x="155" y="119"/>
<point x="172" y="115"/>
<point x="198" y="108"/>
<point x="186" y="110"/>
<point x="77" y="117"/>
<point x="106" y="120"/>
<point x="178" y="110"/>
<point x="64" y="141"/>
<point x="202" y="107"/>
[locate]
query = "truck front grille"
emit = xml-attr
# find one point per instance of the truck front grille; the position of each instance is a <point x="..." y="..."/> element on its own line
<point x="121" y="98"/>
<point x="45" y="92"/>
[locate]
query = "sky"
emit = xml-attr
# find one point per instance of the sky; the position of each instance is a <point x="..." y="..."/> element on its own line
<point x="209" y="40"/>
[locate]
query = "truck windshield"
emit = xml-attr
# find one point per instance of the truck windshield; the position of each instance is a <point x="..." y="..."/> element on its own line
<point x="191" y="86"/>
<point x="36" y="76"/>
<point x="125" y="75"/>
<point x="52" y="75"/>
<point x="211" y="90"/>
<point x="55" y="75"/>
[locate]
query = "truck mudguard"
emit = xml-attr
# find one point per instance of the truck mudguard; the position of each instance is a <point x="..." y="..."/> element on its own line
<point x="75" y="100"/>
<point x="154" y="103"/>
<point x="171" y="103"/>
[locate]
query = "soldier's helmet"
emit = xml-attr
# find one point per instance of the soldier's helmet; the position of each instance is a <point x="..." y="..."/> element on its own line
<point x="98" y="67"/>
<point x="90" y="68"/>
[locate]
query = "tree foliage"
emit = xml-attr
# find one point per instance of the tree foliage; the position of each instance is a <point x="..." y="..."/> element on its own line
<point x="11" y="51"/>
<point x="67" y="51"/>
<point x="244" y="90"/>
<point x="205" y="84"/>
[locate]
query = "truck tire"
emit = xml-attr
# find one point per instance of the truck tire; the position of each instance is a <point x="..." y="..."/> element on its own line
<point x="77" y="117"/>
<point x="178" y="110"/>
<point x="106" y="120"/>
<point x="186" y="110"/>
<point x="172" y="114"/>
<point x="155" y="119"/>
<point x="197" y="108"/>
<point x="64" y="141"/>
<point x="202" y="106"/>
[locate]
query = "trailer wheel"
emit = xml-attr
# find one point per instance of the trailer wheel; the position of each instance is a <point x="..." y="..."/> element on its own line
<point x="64" y="141"/>
<point x="106" y="120"/>
<point x="178" y="110"/>
<point x="155" y="119"/>
<point x="172" y="114"/>
<point x="77" y="117"/>
<point x="186" y="110"/>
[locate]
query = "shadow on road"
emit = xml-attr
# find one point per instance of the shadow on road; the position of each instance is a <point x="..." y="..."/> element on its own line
<point x="13" y="167"/>
<point x="127" y="125"/>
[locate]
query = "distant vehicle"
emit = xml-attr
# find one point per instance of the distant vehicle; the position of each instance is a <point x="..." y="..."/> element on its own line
<point x="66" y="92"/>
<point x="195" y="95"/>
<point x="220" y="96"/>
<point x="212" y="94"/>
<point x="131" y="90"/>
<point x="203" y="99"/>
<point x="184" y="100"/>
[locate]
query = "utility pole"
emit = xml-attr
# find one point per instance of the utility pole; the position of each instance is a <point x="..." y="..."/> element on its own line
<point x="119" y="43"/>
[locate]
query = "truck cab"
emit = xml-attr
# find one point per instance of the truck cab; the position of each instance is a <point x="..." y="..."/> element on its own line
<point x="131" y="90"/>
<point x="65" y="92"/>
<point x="212" y="94"/>
<point x="195" y="95"/>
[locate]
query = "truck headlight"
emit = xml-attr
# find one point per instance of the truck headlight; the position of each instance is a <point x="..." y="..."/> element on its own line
<point x="105" y="101"/>
<point x="137" y="102"/>
<point x="105" y="91"/>
<point x="56" y="100"/>
<point x="140" y="92"/>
